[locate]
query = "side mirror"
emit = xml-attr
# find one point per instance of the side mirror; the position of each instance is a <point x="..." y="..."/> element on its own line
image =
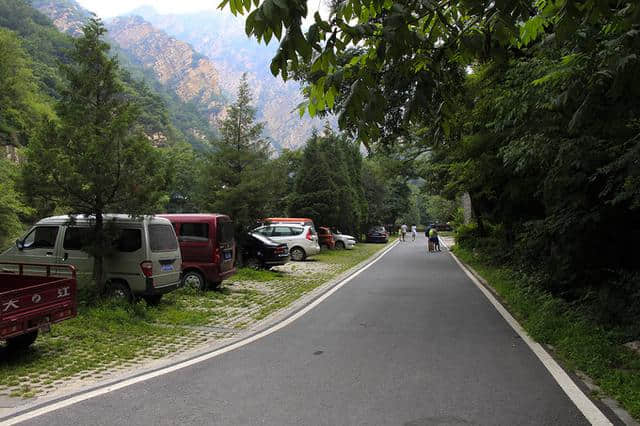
<point x="19" y="244"/>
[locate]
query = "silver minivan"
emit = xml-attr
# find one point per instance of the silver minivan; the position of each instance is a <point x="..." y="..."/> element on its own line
<point x="145" y="260"/>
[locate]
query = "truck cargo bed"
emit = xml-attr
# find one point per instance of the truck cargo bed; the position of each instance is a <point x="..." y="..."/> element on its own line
<point x="33" y="296"/>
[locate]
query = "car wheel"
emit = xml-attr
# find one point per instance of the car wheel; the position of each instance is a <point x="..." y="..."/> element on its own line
<point x="297" y="254"/>
<point x="153" y="300"/>
<point x="253" y="263"/>
<point x="194" y="279"/>
<point x="119" y="291"/>
<point x="339" y="245"/>
<point x="22" y="342"/>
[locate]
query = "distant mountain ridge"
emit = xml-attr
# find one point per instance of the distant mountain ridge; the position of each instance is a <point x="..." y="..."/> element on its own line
<point x="200" y="59"/>
<point x="188" y="111"/>
<point x="220" y="36"/>
<point x="174" y="63"/>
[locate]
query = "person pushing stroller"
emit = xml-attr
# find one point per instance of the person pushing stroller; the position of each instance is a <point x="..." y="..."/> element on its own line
<point x="432" y="235"/>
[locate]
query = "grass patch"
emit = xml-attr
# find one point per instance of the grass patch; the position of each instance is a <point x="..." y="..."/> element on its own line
<point x="100" y="336"/>
<point x="580" y="342"/>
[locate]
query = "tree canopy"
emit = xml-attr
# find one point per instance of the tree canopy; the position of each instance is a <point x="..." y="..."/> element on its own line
<point x="237" y="177"/>
<point x="94" y="158"/>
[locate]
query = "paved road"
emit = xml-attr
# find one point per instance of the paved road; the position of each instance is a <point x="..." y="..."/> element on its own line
<point x="410" y="341"/>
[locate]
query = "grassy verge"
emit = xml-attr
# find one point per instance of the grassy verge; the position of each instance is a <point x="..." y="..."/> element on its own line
<point x="579" y="342"/>
<point x="109" y="336"/>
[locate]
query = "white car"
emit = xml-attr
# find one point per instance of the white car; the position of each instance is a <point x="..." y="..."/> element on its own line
<point x="343" y="241"/>
<point x="301" y="240"/>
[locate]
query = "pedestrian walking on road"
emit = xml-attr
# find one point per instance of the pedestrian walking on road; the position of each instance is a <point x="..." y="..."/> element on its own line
<point x="403" y="232"/>
<point x="434" y="243"/>
<point x="414" y="232"/>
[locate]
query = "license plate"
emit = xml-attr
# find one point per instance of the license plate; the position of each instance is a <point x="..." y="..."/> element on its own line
<point x="227" y="255"/>
<point x="166" y="268"/>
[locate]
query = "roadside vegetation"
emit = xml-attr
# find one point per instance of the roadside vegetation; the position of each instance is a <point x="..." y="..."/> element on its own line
<point x="575" y="331"/>
<point x="108" y="336"/>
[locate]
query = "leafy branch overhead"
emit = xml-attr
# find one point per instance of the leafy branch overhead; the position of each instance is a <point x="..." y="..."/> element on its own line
<point x="380" y="64"/>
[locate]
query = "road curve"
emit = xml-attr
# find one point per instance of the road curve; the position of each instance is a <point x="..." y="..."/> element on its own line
<point x="410" y="341"/>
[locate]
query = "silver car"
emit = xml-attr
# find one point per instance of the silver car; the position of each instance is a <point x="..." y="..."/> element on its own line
<point x="343" y="241"/>
<point x="301" y="240"/>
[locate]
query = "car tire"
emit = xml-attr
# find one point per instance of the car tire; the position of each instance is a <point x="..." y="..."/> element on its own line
<point x="298" y="254"/>
<point x="194" y="279"/>
<point x="120" y="291"/>
<point x="153" y="300"/>
<point x="22" y="342"/>
<point x="339" y="245"/>
<point x="253" y="263"/>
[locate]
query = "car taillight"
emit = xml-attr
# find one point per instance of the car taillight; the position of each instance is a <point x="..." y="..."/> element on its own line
<point x="216" y="255"/>
<point x="147" y="268"/>
<point x="309" y="234"/>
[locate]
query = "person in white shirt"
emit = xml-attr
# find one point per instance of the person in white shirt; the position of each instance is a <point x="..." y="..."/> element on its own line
<point x="403" y="232"/>
<point x="414" y="232"/>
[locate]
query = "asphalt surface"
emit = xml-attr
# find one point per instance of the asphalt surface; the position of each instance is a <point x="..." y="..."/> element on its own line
<point x="410" y="341"/>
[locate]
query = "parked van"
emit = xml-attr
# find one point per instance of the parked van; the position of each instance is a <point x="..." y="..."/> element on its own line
<point x="208" y="248"/>
<point x="145" y="262"/>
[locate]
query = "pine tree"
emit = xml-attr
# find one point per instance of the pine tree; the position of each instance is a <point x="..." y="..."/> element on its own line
<point x="95" y="158"/>
<point x="328" y="185"/>
<point x="238" y="175"/>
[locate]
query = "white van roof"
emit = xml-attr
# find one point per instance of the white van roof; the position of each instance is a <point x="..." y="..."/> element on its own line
<point x="117" y="217"/>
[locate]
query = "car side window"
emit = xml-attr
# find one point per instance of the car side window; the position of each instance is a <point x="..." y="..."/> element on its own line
<point x="41" y="237"/>
<point x="296" y="231"/>
<point x="129" y="240"/>
<point x="76" y="238"/>
<point x="194" y="231"/>
<point x="266" y="231"/>
<point x="281" y="231"/>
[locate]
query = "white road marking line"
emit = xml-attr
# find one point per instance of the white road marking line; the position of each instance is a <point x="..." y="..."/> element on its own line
<point x="107" y="389"/>
<point x="584" y="404"/>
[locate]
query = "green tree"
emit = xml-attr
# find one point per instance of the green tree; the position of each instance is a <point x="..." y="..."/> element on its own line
<point x="12" y="207"/>
<point x="184" y="167"/>
<point x="439" y="209"/>
<point x="286" y="167"/>
<point x="324" y="189"/>
<point x="94" y="159"/>
<point x="21" y="103"/>
<point x="238" y="177"/>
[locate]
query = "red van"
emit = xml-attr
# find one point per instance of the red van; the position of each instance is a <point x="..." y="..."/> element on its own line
<point x="208" y="248"/>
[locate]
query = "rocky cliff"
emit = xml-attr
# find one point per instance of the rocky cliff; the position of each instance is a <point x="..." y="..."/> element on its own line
<point x="67" y="15"/>
<point x="174" y="63"/>
<point x="221" y="37"/>
<point x="200" y="58"/>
